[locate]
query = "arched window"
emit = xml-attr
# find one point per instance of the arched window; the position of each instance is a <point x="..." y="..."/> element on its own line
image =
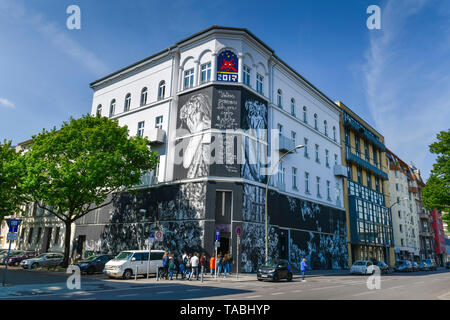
<point x="127" y="102"/>
<point x="293" y="107"/>
<point x="144" y="96"/>
<point x="325" y="127"/>
<point x="305" y="118"/>
<point x="112" y="108"/>
<point x="99" y="109"/>
<point x="279" y="98"/>
<point x="315" y="121"/>
<point x="161" y="90"/>
<point x="334" y="133"/>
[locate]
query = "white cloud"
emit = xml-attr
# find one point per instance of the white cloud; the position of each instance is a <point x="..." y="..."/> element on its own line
<point x="6" y="103"/>
<point x="407" y="83"/>
<point x="59" y="37"/>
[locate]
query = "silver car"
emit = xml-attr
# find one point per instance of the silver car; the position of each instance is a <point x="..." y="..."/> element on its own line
<point x="43" y="260"/>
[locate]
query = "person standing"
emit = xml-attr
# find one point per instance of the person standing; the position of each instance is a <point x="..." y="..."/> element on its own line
<point x="203" y="263"/>
<point x="172" y="266"/>
<point x="189" y="266"/>
<point x="219" y="264"/>
<point x="303" y="267"/>
<point x="225" y="265"/>
<point x="212" y="265"/>
<point x="194" y="263"/>
<point x="165" y="262"/>
<point x="230" y="263"/>
<point x="180" y="269"/>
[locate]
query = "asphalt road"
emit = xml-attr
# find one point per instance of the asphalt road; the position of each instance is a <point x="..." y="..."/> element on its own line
<point x="408" y="286"/>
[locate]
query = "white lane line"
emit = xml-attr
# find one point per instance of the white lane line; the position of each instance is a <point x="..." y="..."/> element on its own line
<point x="363" y="293"/>
<point x="396" y="287"/>
<point x="276" y="293"/>
<point x="193" y="290"/>
<point x="128" y="295"/>
<point x="419" y="282"/>
<point x="252" y="297"/>
<point x="331" y="287"/>
<point x="295" y="291"/>
<point x="164" y="292"/>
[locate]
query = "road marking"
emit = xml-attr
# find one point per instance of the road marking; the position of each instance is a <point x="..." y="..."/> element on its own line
<point x="419" y="282"/>
<point x="277" y="293"/>
<point x="128" y="295"/>
<point x="252" y="297"/>
<point x="328" y="287"/>
<point x="445" y="296"/>
<point x="363" y="293"/>
<point x="164" y="292"/>
<point x="396" y="287"/>
<point x="193" y="290"/>
<point x="295" y="291"/>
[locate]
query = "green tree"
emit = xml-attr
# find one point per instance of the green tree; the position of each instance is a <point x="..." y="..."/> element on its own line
<point x="11" y="177"/>
<point x="84" y="166"/>
<point x="436" y="193"/>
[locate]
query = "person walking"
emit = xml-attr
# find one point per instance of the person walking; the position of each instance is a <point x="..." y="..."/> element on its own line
<point x="225" y="265"/>
<point x="172" y="266"/>
<point x="230" y="263"/>
<point x="165" y="263"/>
<point x="212" y="265"/>
<point x="203" y="265"/>
<point x="219" y="264"/>
<point x="194" y="263"/>
<point x="189" y="266"/>
<point x="303" y="267"/>
<point x="180" y="267"/>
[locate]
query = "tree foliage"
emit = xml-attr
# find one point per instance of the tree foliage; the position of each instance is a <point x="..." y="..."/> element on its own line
<point x="11" y="176"/>
<point x="83" y="166"/>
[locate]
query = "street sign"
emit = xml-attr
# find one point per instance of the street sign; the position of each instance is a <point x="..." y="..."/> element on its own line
<point x="152" y="235"/>
<point x="217" y="243"/>
<point x="238" y="230"/>
<point x="14" y="224"/>
<point x="217" y="235"/>
<point x="159" y="235"/>
<point x="12" y="236"/>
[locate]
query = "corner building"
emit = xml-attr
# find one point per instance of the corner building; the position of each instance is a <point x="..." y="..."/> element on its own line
<point x="184" y="99"/>
<point x="366" y="191"/>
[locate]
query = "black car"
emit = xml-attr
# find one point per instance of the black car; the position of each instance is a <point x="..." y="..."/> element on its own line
<point x="275" y="270"/>
<point x="384" y="268"/>
<point x="93" y="264"/>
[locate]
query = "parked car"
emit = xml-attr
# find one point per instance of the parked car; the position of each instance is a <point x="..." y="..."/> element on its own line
<point x="275" y="270"/>
<point x="11" y="254"/>
<point x="19" y="257"/>
<point x="95" y="263"/>
<point x="43" y="260"/>
<point x="403" y="266"/>
<point x="447" y="265"/>
<point x="361" y="267"/>
<point x="431" y="264"/>
<point x="384" y="268"/>
<point x="423" y="266"/>
<point x="415" y="266"/>
<point x="125" y="264"/>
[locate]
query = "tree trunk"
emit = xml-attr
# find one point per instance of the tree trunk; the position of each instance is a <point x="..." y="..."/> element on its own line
<point x="67" y="243"/>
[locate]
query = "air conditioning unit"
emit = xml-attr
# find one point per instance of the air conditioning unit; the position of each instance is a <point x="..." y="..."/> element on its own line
<point x="340" y="170"/>
<point x="156" y="136"/>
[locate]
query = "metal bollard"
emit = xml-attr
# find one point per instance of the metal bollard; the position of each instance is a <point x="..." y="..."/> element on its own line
<point x="202" y="272"/>
<point x="135" y="274"/>
<point x="157" y="273"/>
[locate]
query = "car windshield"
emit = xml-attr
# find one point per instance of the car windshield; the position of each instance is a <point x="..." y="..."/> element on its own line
<point x="42" y="255"/>
<point x="91" y="258"/>
<point x="271" y="264"/>
<point x="125" y="255"/>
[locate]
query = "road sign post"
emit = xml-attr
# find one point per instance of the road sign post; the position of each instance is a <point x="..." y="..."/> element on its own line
<point x="216" y="245"/>
<point x="158" y="237"/>
<point x="238" y="233"/>
<point x="12" y="236"/>
<point x="151" y="240"/>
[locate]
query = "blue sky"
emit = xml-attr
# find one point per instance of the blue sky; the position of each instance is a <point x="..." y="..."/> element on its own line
<point x="396" y="78"/>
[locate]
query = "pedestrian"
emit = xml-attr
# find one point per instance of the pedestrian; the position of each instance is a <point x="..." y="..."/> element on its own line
<point x="180" y="267"/>
<point x="189" y="266"/>
<point x="219" y="264"/>
<point x="194" y="264"/>
<point x="212" y="265"/>
<point x="230" y="263"/>
<point x="172" y="266"/>
<point x="203" y="262"/>
<point x="225" y="265"/>
<point x="303" y="267"/>
<point x="165" y="262"/>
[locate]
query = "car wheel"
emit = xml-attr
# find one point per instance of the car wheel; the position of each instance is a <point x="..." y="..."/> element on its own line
<point x="90" y="270"/>
<point x="16" y="263"/>
<point x="289" y="277"/>
<point x="127" y="274"/>
<point x="275" y="277"/>
<point x="34" y="265"/>
<point x="259" y="279"/>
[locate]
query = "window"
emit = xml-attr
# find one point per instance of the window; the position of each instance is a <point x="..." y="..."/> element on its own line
<point x="58" y="229"/>
<point x="328" y="191"/>
<point x="112" y="108"/>
<point x="396" y="186"/>
<point x="318" y="187"/>
<point x="325" y="126"/>
<point x="127" y="102"/>
<point x="317" y="153"/>
<point x="161" y="90"/>
<point x="279" y="98"/>
<point x="294" y="178"/>
<point x="401" y="228"/>
<point x="359" y="173"/>
<point x="246" y="75"/>
<point x="30" y="235"/>
<point x="399" y="214"/>
<point x="369" y="180"/>
<point x="38" y="237"/>
<point x="281" y="173"/>
<point x="347" y="138"/>
<point x="377" y="185"/>
<point x="99" y="110"/>
<point x="315" y="122"/>
<point x="293" y="107"/>
<point x="375" y="158"/>
<point x="327" y="163"/>
<point x="205" y="72"/>
<point x="189" y="78"/>
<point x="307" y="182"/>
<point x="334" y="134"/>
<point x="159" y="122"/>
<point x="305" y="118"/>
<point x="306" y="148"/>
<point x="144" y="96"/>
<point x="335" y="159"/>
<point x="293" y="137"/>
<point x="366" y="151"/>
<point x="357" y="146"/>
<point x="140" y="129"/>
<point x="259" y="83"/>
<point x="280" y="128"/>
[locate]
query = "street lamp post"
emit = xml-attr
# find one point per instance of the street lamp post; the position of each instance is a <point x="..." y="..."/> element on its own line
<point x="267" y="190"/>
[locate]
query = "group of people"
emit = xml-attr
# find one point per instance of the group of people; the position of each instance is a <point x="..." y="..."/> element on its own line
<point x="192" y="265"/>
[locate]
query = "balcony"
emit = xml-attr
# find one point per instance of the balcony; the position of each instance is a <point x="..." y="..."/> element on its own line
<point x="285" y="144"/>
<point x="340" y="170"/>
<point x="357" y="127"/>
<point x="156" y="136"/>
<point x="413" y="189"/>
<point x="359" y="161"/>
<point x="147" y="179"/>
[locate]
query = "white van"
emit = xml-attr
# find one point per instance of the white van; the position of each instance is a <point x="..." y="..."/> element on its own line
<point x="126" y="263"/>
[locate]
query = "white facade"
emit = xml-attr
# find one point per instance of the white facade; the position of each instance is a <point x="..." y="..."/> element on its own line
<point x="259" y="61"/>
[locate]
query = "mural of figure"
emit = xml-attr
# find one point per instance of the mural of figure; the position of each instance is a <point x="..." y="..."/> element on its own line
<point x="196" y="115"/>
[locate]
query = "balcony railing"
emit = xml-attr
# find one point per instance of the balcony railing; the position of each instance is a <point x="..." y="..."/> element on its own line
<point x="147" y="179"/>
<point x="285" y="144"/>
<point x="367" y="165"/>
<point x="156" y="135"/>
<point x="356" y="126"/>
<point x="413" y="189"/>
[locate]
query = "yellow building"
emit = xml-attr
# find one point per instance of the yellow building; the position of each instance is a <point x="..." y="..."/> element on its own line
<point x="366" y="190"/>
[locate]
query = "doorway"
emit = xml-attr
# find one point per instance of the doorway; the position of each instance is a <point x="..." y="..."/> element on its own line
<point x="224" y="245"/>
